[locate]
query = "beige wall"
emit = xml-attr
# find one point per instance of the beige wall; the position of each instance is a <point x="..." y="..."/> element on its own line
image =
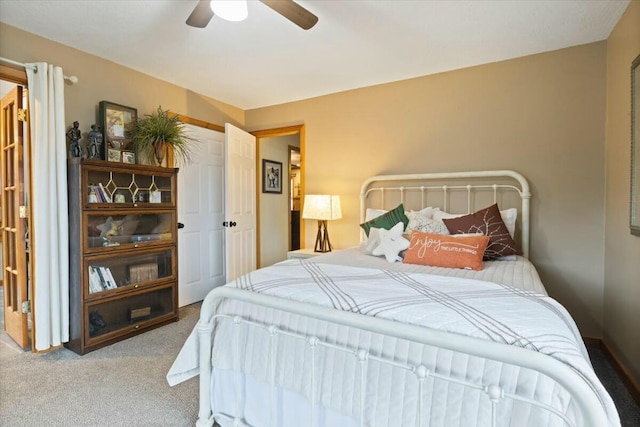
<point x="100" y="80"/>
<point x="622" y="250"/>
<point x="542" y="115"/>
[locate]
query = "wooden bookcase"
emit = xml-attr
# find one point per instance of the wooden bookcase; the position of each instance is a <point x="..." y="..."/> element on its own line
<point x="123" y="251"/>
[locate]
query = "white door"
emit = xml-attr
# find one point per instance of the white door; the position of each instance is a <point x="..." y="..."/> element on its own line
<point x="201" y="210"/>
<point x="240" y="202"/>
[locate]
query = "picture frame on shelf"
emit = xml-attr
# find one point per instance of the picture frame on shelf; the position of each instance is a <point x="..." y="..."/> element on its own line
<point x="129" y="157"/>
<point x="113" y="155"/>
<point x="271" y="176"/>
<point x="117" y="123"/>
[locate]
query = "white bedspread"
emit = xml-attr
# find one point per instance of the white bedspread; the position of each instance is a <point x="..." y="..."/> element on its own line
<point x="519" y="273"/>
<point x="464" y="306"/>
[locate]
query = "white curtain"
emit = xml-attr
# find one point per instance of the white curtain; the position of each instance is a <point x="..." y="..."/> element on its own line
<point x="49" y="224"/>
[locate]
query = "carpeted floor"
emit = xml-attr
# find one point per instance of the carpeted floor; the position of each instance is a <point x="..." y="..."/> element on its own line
<point x="120" y="385"/>
<point x="124" y="384"/>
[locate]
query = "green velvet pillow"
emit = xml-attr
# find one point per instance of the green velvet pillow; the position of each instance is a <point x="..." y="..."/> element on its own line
<point x="387" y="220"/>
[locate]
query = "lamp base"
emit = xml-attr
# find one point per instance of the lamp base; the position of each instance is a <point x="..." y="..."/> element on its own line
<point x="323" y="244"/>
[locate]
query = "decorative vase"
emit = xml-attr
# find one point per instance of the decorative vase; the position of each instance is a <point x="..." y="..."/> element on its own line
<point x="160" y="150"/>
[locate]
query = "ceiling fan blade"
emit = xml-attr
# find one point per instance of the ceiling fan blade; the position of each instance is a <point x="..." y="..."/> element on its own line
<point x="293" y="12"/>
<point x="201" y="14"/>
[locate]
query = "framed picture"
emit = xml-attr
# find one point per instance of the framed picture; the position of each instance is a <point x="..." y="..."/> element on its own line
<point x="128" y="157"/>
<point x="113" y="155"/>
<point x="271" y="176"/>
<point x="117" y="123"/>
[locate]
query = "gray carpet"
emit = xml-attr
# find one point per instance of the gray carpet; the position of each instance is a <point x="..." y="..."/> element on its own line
<point x="120" y="385"/>
<point x="124" y="384"/>
<point x="628" y="408"/>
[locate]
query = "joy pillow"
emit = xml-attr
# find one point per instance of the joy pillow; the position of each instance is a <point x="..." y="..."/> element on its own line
<point x="439" y="250"/>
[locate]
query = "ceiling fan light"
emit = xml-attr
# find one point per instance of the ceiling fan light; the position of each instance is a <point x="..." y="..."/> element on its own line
<point x="230" y="10"/>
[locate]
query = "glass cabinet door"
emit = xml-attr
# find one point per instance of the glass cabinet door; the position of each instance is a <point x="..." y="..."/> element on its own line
<point x="112" y="317"/>
<point x="120" y="187"/>
<point x="128" y="270"/>
<point x="106" y="230"/>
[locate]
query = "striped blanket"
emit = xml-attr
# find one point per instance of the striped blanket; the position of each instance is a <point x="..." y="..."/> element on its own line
<point x="469" y="307"/>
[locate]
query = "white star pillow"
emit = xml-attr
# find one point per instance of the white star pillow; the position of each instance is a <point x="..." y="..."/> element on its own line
<point x="391" y="243"/>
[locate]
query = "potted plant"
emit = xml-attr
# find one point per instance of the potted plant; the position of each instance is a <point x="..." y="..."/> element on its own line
<point x="156" y="132"/>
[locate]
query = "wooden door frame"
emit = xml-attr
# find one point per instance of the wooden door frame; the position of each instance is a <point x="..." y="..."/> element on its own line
<point x="271" y="133"/>
<point x="19" y="77"/>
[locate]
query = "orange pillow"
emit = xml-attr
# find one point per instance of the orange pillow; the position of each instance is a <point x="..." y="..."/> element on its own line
<point x="440" y="250"/>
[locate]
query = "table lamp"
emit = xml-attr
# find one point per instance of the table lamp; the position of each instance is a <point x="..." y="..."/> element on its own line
<point x="322" y="207"/>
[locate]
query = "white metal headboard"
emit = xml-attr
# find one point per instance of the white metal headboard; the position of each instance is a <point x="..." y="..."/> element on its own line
<point x="447" y="184"/>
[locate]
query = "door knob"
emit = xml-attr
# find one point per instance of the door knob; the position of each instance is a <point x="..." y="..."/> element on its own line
<point x="233" y="224"/>
<point x="225" y="224"/>
<point x="180" y="225"/>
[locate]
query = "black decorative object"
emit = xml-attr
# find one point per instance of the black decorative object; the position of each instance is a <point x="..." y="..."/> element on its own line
<point x="96" y="322"/>
<point x="94" y="141"/>
<point x="74" y="134"/>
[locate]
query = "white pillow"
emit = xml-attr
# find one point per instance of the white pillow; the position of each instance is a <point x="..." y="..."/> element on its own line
<point x="373" y="213"/>
<point x="424" y="224"/>
<point x="391" y="243"/>
<point x="428" y="211"/>
<point x="373" y="241"/>
<point x="509" y="217"/>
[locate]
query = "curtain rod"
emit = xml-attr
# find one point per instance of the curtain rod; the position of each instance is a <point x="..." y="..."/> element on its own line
<point x="70" y="79"/>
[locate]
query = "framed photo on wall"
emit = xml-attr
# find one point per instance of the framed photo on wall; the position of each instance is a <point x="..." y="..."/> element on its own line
<point x="271" y="176"/>
<point x="117" y="123"/>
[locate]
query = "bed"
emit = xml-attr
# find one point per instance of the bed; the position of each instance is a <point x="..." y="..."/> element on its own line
<point x="351" y="339"/>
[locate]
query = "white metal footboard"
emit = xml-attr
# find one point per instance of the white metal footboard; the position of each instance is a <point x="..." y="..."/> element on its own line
<point x="587" y="403"/>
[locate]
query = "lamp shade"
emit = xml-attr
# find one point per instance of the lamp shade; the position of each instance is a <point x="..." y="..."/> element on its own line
<point x="321" y="207"/>
<point x="230" y="10"/>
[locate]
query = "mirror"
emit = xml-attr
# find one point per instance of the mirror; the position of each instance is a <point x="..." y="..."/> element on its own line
<point x="635" y="147"/>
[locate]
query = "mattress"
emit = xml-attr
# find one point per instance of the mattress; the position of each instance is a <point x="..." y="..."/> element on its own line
<point x="512" y="309"/>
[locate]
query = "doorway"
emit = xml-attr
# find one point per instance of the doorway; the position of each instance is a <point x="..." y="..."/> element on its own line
<point x="295" y="202"/>
<point x="274" y="221"/>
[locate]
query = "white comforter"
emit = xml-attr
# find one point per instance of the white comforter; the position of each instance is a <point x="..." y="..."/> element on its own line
<point x="464" y="306"/>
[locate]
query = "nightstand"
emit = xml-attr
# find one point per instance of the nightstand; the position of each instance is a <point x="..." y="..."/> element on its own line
<point x="302" y="253"/>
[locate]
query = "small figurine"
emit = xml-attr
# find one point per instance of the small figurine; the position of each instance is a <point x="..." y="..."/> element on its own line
<point x="94" y="141"/>
<point x="109" y="229"/>
<point x="93" y="197"/>
<point x="74" y="134"/>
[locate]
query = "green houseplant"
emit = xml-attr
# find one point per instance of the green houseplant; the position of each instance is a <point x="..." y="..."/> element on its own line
<point x="156" y="132"/>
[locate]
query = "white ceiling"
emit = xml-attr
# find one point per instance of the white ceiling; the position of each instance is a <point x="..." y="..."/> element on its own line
<point x="267" y="60"/>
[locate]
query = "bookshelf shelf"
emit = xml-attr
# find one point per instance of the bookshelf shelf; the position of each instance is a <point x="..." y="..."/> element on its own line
<point x="123" y="241"/>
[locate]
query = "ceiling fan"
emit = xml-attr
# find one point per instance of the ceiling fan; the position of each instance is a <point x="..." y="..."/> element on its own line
<point x="204" y="11"/>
